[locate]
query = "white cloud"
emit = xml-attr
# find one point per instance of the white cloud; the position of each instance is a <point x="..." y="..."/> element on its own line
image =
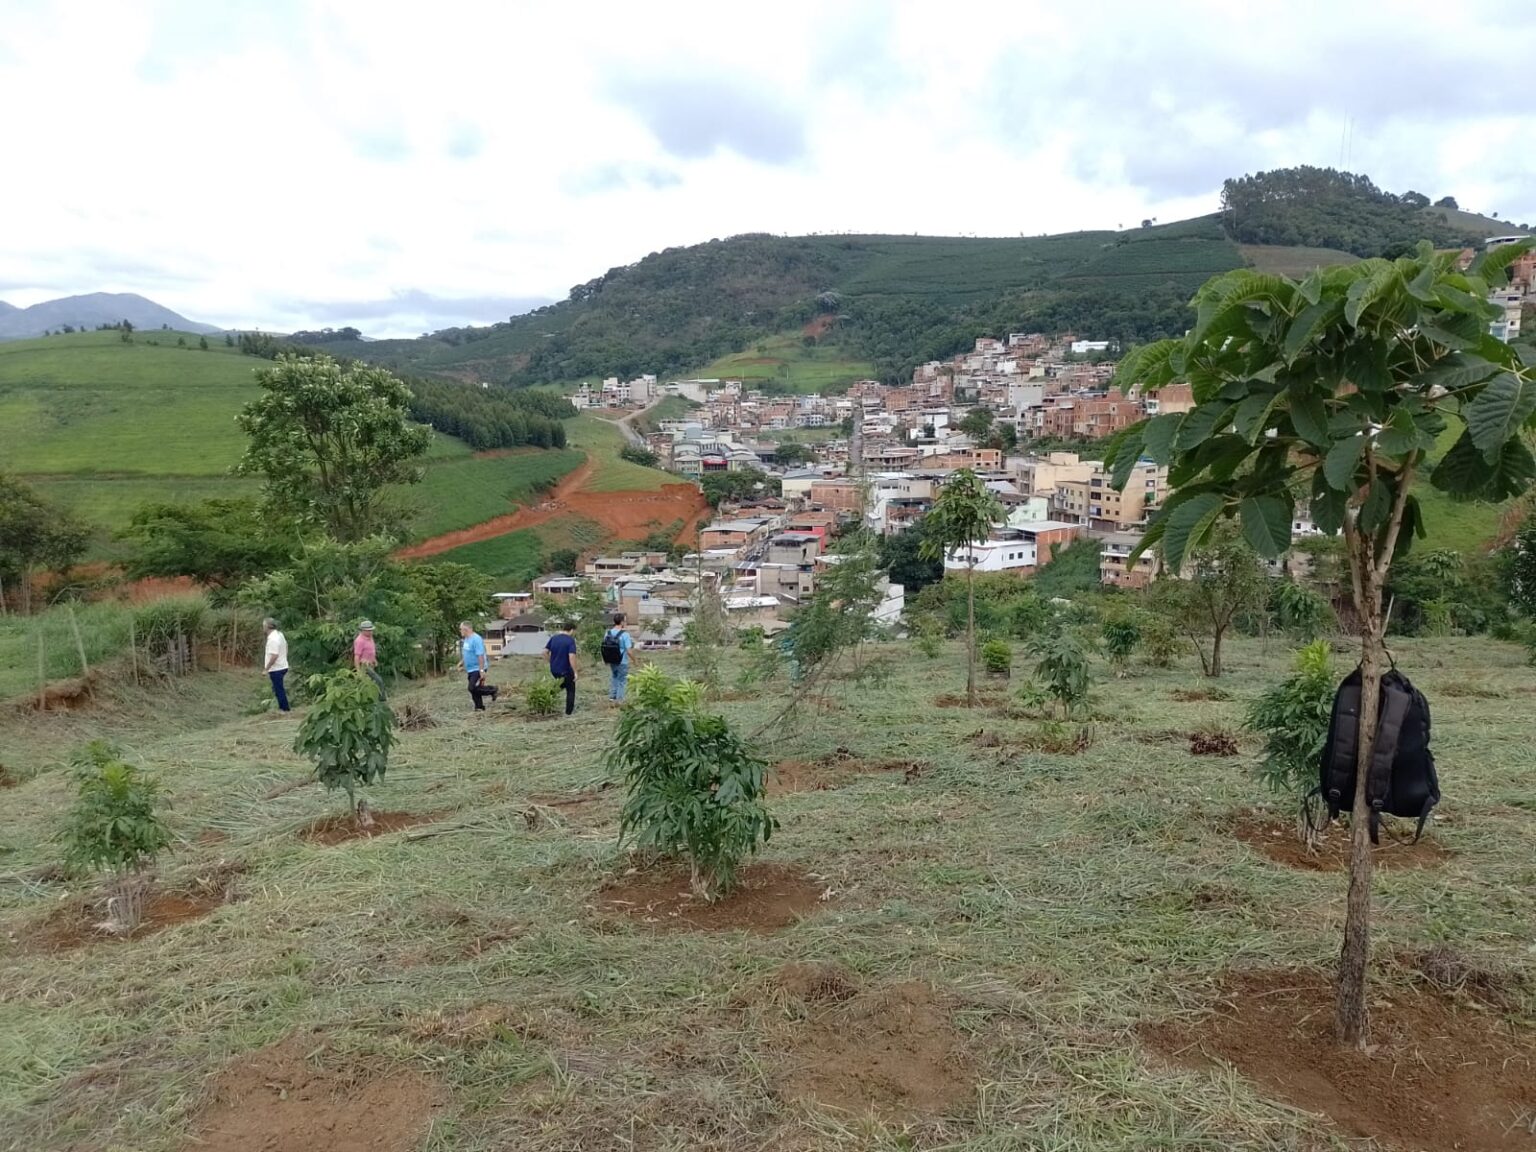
<point x="268" y="165"/>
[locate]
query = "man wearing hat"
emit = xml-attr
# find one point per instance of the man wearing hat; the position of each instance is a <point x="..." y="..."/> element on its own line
<point x="365" y="657"/>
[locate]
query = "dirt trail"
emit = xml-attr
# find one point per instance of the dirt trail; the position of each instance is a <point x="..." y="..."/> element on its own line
<point x="624" y="515"/>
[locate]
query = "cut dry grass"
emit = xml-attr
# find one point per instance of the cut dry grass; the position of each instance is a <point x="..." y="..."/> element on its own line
<point x="1049" y="905"/>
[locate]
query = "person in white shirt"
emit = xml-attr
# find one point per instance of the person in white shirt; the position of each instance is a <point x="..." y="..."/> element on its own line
<point x="277" y="661"/>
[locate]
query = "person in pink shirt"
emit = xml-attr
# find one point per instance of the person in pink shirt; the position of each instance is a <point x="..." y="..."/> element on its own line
<point x="365" y="656"/>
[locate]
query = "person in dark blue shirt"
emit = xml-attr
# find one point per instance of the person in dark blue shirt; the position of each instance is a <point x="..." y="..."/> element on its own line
<point x="562" y="662"/>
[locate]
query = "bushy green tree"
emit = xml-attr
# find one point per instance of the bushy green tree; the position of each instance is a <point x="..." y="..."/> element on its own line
<point x="218" y="543"/>
<point x="962" y="516"/>
<point x="347" y="733"/>
<point x="328" y="439"/>
<point x="695" y="788"/>
<point x="1121" y="634"/>
<point x="1223" y="580"/>
<point x="997" y="657"/>
<point x="116" y="826"/>
<point x="1341" y="386"/>
<point x="1293" y="717"/>
<point x="1062" y="669"/>
<point x="447" y="592"/>
<point x="34" y="535"/>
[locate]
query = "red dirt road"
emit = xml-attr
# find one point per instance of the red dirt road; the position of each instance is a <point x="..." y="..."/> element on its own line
<point x="624" y="515"/>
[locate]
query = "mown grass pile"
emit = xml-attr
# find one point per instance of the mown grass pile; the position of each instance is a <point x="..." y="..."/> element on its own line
<point x="990" y="930"/>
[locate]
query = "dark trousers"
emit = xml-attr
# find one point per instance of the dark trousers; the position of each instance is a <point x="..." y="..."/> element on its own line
<point x="373" y="674"/>
<point x="568" y="682"/>
<point x="479" y="690"/>
<point x="278" y="690"/>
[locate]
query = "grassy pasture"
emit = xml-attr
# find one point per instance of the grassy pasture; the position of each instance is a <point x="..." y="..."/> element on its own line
<point x="1028" y="915"/>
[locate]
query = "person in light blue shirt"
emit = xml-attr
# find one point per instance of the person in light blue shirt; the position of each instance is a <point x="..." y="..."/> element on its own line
<point x="617" y="643"/>
<point x="473" y="658"/>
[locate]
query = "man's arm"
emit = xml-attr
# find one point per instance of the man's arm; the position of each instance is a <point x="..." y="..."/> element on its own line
<point x="271" y="658"/>
<point x="573" y="663"/>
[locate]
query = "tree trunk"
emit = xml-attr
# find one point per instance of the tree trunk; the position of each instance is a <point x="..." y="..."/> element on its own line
<point x="970" y="634"/>
<point x="363" y="815"/>
<point x="1215" y="668"/>
<point x="1351" y="1015"/>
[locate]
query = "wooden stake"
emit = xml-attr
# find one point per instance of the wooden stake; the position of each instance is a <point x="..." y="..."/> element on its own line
<point x="85" y="667"/>
<point x="133" y="647"/>
<point x="42" y="672"/>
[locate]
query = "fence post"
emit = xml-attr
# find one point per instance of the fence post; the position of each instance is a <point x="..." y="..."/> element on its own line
<point x="42" y="672"/>
<point x="133" y="646"/>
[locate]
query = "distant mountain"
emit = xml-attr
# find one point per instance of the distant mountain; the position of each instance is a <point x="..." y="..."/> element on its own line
<point x="89" y="311"/>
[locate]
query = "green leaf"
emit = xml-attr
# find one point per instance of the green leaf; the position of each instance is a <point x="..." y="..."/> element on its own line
<point x="1342" y="459"/>
<point x="1309" y="322"/>
<point x="1309" y="416"/>
<point x="1267" y="524"/>
<point x="1329" y="505"/>
<point x="1157" y="436"/>
<point x="1422" y="286"/>
<point x="1377" y="506"/>
<point x="1492" y="267"/>
<point x="1124" y="453"/>
<point x="1252" y="414"/>
<point x="1187" y="523"/>
<point x="1465" y="473"/>
<point x="1402" y="434"/>
<point x="1458" y="370"/>
<point x="1200" y="423"/>
<point x="1311" y="289"/>
<point x="1496" y="413"/>
<point x="1413" y="527"/>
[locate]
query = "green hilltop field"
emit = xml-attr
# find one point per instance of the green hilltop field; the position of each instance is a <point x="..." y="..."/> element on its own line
<point x="103" y="427"/>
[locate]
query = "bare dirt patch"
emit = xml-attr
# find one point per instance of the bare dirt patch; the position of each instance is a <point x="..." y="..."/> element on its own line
<point x="340" y="828"/>
<point x="834" y="770"/>
<point x="80" y="922"/>
<point x="277" y="1100"/>
<point x="768" y="897"/>
<point x="1438" y="1077"/>
<point x="953" y="700"/>
<point x="1277" y="839"/>
<point x="1212" y="742"/>
<point x="891" y="1051"/>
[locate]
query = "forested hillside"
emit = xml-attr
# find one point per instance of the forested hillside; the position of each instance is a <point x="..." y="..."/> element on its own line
<point x="892" y="302"/>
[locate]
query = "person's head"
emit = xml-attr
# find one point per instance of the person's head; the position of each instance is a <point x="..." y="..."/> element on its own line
<point x="570" y="626"/>
<point x="466" y="629"/>
<point x="618" y="619"/>
<point x="269" y="625"/>
<point x="366" y="628"/>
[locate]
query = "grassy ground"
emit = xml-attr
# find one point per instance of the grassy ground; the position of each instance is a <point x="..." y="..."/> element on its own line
<point x="603" y="440"/>
<point x="668" y="408"/>
<point x="1055" y="903"/>
<point x="104" y="632"/>
<point x="784" y="364"/>
<point x="1293" y="262"/>
<point x="458" y="491"/>
<point x="519" y="557"/>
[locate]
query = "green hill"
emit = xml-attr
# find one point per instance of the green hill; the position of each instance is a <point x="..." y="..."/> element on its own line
<point x="879" y="305"/>
<point x="103" y="427"/>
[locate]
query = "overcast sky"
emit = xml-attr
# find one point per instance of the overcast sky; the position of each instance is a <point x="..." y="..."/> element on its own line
<point x="406" y="166"/>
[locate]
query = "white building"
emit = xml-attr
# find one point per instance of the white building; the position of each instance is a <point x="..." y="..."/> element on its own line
<point x="1082" y="347"/>
<point x="1016" y="549"/>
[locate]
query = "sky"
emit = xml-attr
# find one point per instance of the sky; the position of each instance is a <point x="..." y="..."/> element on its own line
<point x="402" y="167"/>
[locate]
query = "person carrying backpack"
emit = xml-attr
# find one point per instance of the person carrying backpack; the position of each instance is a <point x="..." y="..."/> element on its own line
<point x="617" y="643"/>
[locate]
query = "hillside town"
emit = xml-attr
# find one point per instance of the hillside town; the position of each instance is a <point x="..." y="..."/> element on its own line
<point x="1027" y="412"/>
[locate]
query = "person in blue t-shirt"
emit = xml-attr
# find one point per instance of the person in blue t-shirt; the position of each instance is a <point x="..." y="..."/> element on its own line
<point x="618" y="637"/>
<point x="472" y="656"/>
<point x="562" y="662"/>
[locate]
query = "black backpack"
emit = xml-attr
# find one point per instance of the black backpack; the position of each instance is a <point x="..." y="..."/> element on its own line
<point x="613" y="650"/>
<point x="1401" y="780"/>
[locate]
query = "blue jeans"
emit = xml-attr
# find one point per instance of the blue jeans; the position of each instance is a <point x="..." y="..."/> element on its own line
<point x="278" y="690"/>
<point x="619" y="682"/>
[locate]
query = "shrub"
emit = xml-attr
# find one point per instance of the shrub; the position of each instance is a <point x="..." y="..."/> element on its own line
<point x="1121" y="636"/>
<point x="348" y="733"/>
<point x="1293" y="719"/>
<point x="695" y="787"/>
<point x="1302" y="612"/>
<point x="997" y="658"/>
<point x="115" y="827"/>
<point x="542" y="697"/>
<point x="1160" y="641"/>
<point x="1063" y="670"/>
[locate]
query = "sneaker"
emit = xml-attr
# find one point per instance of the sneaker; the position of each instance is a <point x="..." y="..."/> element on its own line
<point x="495" y="692"/>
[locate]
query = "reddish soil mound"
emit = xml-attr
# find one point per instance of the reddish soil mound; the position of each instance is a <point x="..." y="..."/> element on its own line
<point x="1437" y="1077"/>
<point x="768" y="897"/>
<point x="891" y="1051"/>
<point x="341" y="828"/>
<point x="78" y="923"/>
<point x="275" y="1100"/>
<point x="819" y="325"/>
<point x="624" y="515"/>
<point x="1277" y="839"/>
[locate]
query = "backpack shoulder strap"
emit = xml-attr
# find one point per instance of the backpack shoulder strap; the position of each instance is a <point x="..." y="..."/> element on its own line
<point x="1395" y="703"/>
<point x="1343" y="748"/>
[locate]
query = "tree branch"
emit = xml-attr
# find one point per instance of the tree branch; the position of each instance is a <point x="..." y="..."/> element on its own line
<point x="1395" y="522"/>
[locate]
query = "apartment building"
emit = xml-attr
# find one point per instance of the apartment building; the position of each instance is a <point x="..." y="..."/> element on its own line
<point x="1099" y="506"/>
<point x="1021" y="549"/>
<point x="1042" y="475"/>
<point x="1114" y="561"/>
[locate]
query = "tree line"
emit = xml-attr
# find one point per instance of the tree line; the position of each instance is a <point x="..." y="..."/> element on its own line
<point x="487" y="418"/>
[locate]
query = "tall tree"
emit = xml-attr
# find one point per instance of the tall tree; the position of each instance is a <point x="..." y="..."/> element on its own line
<point x="1342" y="382"/>
<point x="1221" y="579"/>
<point x="218" y="543"/>
<point x="33" y="535"/>
<point x="448" y="593"/>
<point x="962" y="516"/>
<point x="329" y="438"/>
